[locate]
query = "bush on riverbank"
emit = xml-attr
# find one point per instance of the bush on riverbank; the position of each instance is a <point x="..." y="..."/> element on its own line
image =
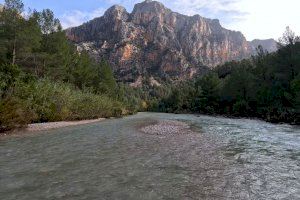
<point x="13" y="114"/>
<point x="44" y="101"/>
<point x="60" y="101"/>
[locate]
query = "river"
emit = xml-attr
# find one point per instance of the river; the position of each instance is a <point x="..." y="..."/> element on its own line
<point x="222" y="159"/>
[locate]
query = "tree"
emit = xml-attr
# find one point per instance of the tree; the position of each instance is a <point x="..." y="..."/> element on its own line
<point x="84" y="72"/>
<point x="58" y="55"/>
<point x="288" y="38"/>
<point x="15" y="6"/>
<point x="48" y="23"/>
<point x="108" y="84"/>
<point x="287" y="58"/>
<point x="20" y="36"/>
<point x="261" y="63"/>
<point x="208" y="89"/>
<point x="11" y="21"/>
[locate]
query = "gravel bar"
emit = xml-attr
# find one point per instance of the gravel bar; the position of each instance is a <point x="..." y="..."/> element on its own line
<point x="167" y="127"/>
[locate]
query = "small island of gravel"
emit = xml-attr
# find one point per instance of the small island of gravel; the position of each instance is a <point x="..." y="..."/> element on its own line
<point x="167" y="127"/>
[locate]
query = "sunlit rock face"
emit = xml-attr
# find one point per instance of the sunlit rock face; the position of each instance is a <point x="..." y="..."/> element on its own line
<point x="154" y="41"/>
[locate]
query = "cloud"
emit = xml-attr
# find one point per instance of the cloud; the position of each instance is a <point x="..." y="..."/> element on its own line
<point x="222" y="9"/>
<point x="254" y="18"/>
<point x="77" y="17"/>
<point x="268" y="18"/>
<point x="225" y="10"/>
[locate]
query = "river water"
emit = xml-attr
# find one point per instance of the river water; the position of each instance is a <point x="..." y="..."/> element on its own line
<point x="222" y="159"/>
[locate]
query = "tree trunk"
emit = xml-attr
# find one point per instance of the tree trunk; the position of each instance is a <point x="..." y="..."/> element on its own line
<point x="14" y="52"/>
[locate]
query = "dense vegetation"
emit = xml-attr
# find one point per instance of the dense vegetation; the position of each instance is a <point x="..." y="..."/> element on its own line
<point x="265" y="86"/>
<point x="43" y="78"/>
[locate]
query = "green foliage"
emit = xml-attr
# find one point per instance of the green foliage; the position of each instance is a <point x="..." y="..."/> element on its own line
<point x="176" y="100"/>
<point x="43" y="101"/>
<point x="108" y="83"/>
<point x="9" y="74"/>
<point x="88" y="105"/>
<point x="47" y="22"/>
<point x="131" y="97"/>
<point x="295" y="86"/>
<point x="210" y="85"/>
<point x="13" y="114"/>
<point x="241" y="108"/>
<point x="15" y="6"/>
<point x="56" y="56"/>
<point x="58" y="101"/>
<point x="208" y="93"/>
<point x="240" y="84"/>
<point x="20" y="36"/>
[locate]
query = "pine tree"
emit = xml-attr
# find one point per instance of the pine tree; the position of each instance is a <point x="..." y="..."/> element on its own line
<point x="19" y="36"/>
<point x="108" y="83"/>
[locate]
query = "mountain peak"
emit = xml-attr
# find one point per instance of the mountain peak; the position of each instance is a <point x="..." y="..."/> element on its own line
<point x="151" y="3"/>
<point x="148" y="10"/>
<point x="149" y="6"/>
<point x="269" y="44"/>
<point x="116" y="12"/>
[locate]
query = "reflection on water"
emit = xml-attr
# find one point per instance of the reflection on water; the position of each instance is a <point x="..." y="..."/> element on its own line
<point x="227" y="159"/>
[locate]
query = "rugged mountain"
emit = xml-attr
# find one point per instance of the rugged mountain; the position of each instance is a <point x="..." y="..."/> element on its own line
<point x="270" y="45"/>
<point x="153" y="41"/>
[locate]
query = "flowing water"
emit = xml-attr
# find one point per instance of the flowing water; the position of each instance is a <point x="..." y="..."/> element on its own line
<point x="222" y="159"/>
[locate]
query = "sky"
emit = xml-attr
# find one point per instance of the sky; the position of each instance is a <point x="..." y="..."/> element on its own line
<point x="256" y="19"/>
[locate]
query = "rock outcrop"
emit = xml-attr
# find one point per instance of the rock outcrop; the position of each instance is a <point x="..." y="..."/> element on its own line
<point x="153" y="41"/>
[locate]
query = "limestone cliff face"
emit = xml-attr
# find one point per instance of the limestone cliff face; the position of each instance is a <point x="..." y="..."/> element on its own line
<point x="154" y="41"/>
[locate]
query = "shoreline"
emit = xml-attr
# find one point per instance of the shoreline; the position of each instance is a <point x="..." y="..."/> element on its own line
<point x="35" y="127"/>
<point x="60" y="124"/>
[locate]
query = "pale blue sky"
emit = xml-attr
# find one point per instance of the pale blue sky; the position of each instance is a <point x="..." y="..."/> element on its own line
<point x="255" y="18"/>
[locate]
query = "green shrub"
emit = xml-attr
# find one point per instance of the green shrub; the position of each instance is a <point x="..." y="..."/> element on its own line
<point x="45" y="101"/>
<point x="9" y="74"/>
<point x="60" y="101"/>
<point x="86" y="105"/>
<point x="241" y="108"/>
<point x="14" y="114"/>
<point x="48" y="100"/>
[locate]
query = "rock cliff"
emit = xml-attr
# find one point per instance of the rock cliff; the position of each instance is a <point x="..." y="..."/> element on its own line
<point x="154" y="41"/>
